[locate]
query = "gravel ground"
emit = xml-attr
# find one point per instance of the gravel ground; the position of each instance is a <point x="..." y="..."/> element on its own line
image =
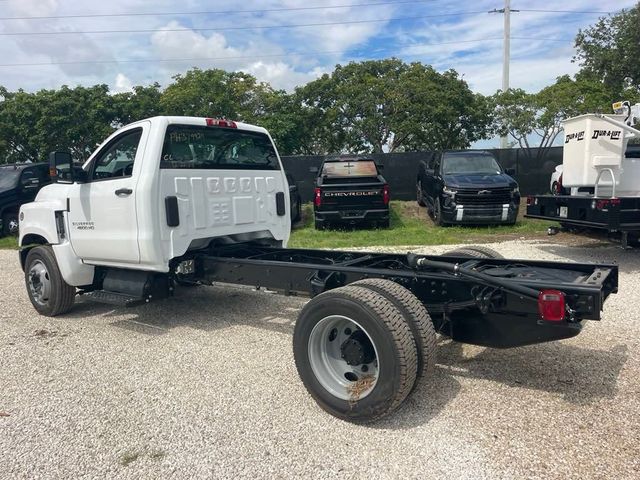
<point x="204" y="386"/>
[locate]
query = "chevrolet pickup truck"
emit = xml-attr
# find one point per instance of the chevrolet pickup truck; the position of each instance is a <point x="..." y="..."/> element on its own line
<point x="350" y="191"/>
<point x="171" y="201"/>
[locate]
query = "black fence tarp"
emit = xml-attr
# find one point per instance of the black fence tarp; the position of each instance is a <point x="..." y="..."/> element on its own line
<point x="400" y="170"/>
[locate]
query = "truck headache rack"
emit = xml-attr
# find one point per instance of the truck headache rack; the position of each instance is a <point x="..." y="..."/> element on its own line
<point x="490" y="302"/>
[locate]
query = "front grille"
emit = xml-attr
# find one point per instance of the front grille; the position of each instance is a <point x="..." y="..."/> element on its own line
<point x="472" y="196"/>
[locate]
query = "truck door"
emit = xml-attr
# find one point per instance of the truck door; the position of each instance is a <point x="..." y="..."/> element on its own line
<point x="103" y="222"/>
<point x="432" y="175"/>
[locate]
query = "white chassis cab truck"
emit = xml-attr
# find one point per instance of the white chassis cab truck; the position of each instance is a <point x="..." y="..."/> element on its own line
<point x="181" y="200"/>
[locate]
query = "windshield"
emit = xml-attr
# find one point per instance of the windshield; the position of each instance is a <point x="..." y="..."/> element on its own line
<point x="8" y="178"/>
<point x="217" y="148"/>
<point x="484" y="164"/>
<point x="349" y="169"/>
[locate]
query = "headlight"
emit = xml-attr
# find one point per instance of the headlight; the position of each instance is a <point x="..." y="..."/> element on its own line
<point x="448" y="191"/>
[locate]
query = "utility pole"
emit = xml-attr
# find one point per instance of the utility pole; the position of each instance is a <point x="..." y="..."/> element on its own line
<point x="506" y="52"/>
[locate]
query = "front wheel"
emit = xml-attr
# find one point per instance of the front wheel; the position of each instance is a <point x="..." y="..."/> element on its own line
<point x="50" y="295"/>
<point x="355" y="353"/>
<point x="437" y="214"/>
<point x="419" y="196"/>
<point x="10" y="224"/>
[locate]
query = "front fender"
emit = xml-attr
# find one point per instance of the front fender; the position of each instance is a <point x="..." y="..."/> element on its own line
<point x="38" y="218"/>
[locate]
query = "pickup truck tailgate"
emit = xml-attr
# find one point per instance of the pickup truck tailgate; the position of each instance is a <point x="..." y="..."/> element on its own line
<point x="348" y="196"/>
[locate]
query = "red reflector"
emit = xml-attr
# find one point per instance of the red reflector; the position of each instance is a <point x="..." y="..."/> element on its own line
<point x="529" y="201"/>
<point x="317" y="197"/>
<point x="385" y="194"/>
<point x="217" y="122"/>
<point x="551" y="305"/>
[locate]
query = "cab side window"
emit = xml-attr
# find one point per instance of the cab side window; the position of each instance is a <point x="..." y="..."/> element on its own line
<point x="117" y="158"/>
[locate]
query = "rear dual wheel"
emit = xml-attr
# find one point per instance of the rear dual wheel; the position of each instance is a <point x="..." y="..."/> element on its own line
<point x="359" y="349"/>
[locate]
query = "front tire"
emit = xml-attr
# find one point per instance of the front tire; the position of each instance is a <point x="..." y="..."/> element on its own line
<point x="50" y="295"/>
<point x="10" y="224"/>
<point x="437" y="214"/>
<point x="355" y="353"/>
<point x="419" y="196"/>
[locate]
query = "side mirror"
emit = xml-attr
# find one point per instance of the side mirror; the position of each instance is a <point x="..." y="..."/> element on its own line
<point x="380" y="166"/>
<point x="510" y="171"/>
<point x="63" y="170"/>
<point x="314" y="169"/>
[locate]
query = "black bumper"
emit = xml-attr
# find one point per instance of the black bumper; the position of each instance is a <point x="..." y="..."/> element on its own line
<point x="352" y="216"/>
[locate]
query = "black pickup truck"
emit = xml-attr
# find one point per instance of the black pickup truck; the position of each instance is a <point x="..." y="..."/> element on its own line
<point x="467" y="186"/>
<point x="351" y="191"/>
<point x="19" y="183"/>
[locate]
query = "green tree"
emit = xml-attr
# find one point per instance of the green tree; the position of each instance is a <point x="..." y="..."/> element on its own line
<point x="73" y="119"/>
<point x="143" y="102"/>
<point x="535" y="120"/>
<point x="610" y="49"/>
<point x="388" y="105"/>
<point x="216" y="93"/>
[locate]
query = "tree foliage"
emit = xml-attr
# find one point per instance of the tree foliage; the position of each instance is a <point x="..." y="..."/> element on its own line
<point x="534" y="120"/>
<point x="372" y="106"/>
<point x="388" y="105"/>
<point x="610" y="49"/>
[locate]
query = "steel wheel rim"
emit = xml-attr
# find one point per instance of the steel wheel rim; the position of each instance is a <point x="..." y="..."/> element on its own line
<point x="344" y="381"/>
<point x="39" y="282"/>
<point x="13" y="226"/>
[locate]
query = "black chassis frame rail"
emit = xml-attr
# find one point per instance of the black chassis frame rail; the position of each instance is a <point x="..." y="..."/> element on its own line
<point x="620" y="214"/>
<point x="490" y="302"/>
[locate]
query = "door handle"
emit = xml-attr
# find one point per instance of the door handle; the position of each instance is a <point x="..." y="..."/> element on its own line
<point x="124" y="191"/>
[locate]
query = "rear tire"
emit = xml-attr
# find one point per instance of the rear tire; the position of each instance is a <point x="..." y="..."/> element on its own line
<point x="331" y="372"/>
<point x="50" y="295"/>
<point x="475" y="252"/>
<point x="416" y="316"/>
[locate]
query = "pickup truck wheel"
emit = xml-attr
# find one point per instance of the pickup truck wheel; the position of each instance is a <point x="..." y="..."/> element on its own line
<point x="48" y="292"/>
<point x="437" y="214"/>
<point x="416" y="316"/>
<point x="10" y="224"/>
<point x="419" y="196"/>
<point x="355" y="353"/>
<point x="475" y="252"/>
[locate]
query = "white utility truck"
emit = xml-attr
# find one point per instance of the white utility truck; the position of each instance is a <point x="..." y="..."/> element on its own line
<point x="178" y="200"/>
<point x="599" y="174"/>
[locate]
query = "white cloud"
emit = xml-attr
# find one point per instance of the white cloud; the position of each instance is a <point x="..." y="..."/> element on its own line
<point x="122" y="84"/>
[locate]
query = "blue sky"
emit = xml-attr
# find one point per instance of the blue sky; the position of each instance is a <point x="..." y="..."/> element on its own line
<point x="542" y="44"/>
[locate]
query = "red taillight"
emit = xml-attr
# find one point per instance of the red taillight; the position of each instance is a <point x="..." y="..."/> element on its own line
<point x="317" y="197"/>
<point x="217" y="122"/>
<point x="529" y="201"/>
<point x="385" y="194"/>
<point x="551" y="305"/>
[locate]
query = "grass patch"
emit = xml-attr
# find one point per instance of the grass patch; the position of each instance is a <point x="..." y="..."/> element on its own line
<point x="409" y="226"/>
<point x="9" y="243"/>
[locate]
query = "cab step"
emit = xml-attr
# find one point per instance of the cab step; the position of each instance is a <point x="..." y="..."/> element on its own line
<point x="115" y="298"/>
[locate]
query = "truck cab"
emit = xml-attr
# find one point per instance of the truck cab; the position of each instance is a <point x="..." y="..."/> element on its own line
<point x="154" y="191"/>
<point x="19" y="183"/>
<point x="467" y="187"/>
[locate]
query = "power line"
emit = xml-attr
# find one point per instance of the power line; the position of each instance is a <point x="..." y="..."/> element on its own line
<point x="279" y="55"/>
<point x="586" y="12"/>
<point x="218" y="12"/>
<point x="221" y="29"/>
